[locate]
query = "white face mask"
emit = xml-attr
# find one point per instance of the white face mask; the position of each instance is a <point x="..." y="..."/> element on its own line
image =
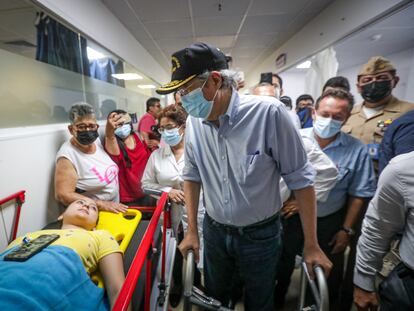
<point x="326" y="127"/>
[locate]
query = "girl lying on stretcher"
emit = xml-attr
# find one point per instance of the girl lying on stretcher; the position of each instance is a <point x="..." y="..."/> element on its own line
<point x="57" y="277"/>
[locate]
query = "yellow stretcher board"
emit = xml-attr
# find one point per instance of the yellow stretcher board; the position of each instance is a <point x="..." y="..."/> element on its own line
<point x="122" y="227"/>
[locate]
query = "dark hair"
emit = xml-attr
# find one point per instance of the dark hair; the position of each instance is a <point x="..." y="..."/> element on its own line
<point x="339" y="94"/>
<point x="304" y="97"/>
<point x="175" y="113"/>
<point x="287" y="101"/>
<point x="152" y="101"/>
<point x="337" y="82"/>
<point x="121" y="143"/>
<point x="279" y="78"/>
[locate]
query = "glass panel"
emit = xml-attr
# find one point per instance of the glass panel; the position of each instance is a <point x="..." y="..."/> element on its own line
<point x="34" y="93"/>
<point x="46" y="67"/>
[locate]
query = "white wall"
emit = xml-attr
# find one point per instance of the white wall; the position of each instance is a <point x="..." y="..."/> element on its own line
<point x="293" y="84"/>
<point x="94" y="19"/>
<point x="27" y="160"/>
<point x="338" y="20"/>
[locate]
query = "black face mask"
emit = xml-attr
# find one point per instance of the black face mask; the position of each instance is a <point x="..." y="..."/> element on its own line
<point x="87" y="137"/>
<point x="376" y="91"/>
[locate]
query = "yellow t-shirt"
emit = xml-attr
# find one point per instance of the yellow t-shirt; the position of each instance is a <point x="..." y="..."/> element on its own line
<point x="91" y="246"/>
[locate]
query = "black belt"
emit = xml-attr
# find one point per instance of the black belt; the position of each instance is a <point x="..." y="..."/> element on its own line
<point x="240" y="230"/>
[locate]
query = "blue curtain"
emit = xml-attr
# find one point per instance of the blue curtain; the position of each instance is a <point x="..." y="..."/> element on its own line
<point x="57" y="45"/>
<point x="103" y="69"/>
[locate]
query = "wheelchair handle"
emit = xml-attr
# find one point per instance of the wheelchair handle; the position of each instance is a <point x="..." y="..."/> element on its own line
<point x="320" y="292"/>
<point x="189" y="280"/>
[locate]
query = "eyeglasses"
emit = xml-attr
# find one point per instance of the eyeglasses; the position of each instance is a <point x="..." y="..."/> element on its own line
<point x="385" y="76"/>
<point x="167" y="127"/>
<point x="84" y="127"/>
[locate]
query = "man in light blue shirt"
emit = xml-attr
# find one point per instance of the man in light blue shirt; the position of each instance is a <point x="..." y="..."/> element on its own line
<point x="237" y="147"/>
<point x="340" y="215"/>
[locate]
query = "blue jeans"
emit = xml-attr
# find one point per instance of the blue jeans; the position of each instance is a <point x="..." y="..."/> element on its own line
<point x="253" y="252"/>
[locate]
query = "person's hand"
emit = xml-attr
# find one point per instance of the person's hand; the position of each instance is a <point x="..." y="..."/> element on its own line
<point x="190" y="241"/>
<point x="177" y="196"/>
<point x="112" y="207"/>
<point x="315" y="256"/>
<point x="152" y="143"/>
<point x="339" y="242"/>
<point x="114" y="121"/>
<point x="290" y="208"/>
<point x="364" y="300"/>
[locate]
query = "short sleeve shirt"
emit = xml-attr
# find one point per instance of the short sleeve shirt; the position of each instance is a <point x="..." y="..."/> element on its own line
<point x="146" y="122"/>
<point x="91" y="246"/>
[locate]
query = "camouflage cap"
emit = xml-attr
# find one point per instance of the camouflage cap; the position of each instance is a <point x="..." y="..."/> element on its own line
<point x="375" y="65"/>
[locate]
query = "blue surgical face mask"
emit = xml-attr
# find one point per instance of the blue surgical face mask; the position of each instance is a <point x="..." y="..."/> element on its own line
<point x="196" y="105"/>
<point x="171" y="137"/>
<point x="123" y="131"/>
<point x="326" y="127"/>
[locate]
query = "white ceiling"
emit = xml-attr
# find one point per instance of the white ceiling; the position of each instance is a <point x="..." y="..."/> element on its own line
<point x="17" y="18"/>
<point x="396" y="34"/>
<point x="248" y="30"/>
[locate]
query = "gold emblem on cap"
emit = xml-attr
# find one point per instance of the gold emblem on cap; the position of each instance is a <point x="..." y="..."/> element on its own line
<point x="175" y="64"/>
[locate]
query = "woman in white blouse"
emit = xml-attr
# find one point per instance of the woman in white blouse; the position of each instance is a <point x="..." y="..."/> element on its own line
<point x="164" y="170"/>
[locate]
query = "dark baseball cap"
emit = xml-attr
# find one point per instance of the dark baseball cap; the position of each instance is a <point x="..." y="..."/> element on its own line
<point x="192" y="61"/>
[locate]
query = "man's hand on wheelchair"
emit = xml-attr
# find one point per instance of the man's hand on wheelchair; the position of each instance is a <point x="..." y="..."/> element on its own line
<point x="190" y="241"/>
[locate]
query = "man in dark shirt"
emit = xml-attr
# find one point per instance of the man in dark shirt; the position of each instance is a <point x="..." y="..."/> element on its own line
<point x="398" y="139"/>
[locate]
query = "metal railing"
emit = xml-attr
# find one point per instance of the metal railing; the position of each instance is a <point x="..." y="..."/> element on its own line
<point x="145" y="247"/>
<point x="19" y="197"/>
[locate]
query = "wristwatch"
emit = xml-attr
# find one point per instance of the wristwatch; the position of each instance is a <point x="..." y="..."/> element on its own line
<point x="349" y="231"/>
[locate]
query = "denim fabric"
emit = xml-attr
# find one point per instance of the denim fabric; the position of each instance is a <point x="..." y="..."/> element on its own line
<point x="253" y="252"/>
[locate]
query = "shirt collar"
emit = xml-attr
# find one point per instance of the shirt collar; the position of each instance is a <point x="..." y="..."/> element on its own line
<point x="232" y="109"/>
<point x="166" y="151"/>
<point x="233" y="106"/>
<point x="393" y="105"/>
<point x="339" y="140"/>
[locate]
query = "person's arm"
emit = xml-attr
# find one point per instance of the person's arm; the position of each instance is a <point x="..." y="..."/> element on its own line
<point x="385" y="217"/>
<point x="65" y="182"/>
<point x="326" y="173"/>
<point x="313" y="255"/>
<point x="111" y="144"/>
<point x="354" y="212"/>
<point x="112" y="268"/>
<point x="191" y="239"/>
<point x="192" y="186"/>
<point x="65" y="188"/>
<point x="290" y="155"/>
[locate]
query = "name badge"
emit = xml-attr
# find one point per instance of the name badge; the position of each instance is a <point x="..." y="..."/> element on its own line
<point x="373" y="149"/>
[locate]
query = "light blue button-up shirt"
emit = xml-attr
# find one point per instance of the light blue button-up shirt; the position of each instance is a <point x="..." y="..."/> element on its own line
<point x="356" y="172"/>
<point x="239" y="164"/>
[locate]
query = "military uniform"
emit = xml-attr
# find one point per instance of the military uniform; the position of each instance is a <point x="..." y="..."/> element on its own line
<point x="372" y="130"/>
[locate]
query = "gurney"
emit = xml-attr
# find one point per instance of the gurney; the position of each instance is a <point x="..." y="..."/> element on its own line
<point x="143" y="242"/>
